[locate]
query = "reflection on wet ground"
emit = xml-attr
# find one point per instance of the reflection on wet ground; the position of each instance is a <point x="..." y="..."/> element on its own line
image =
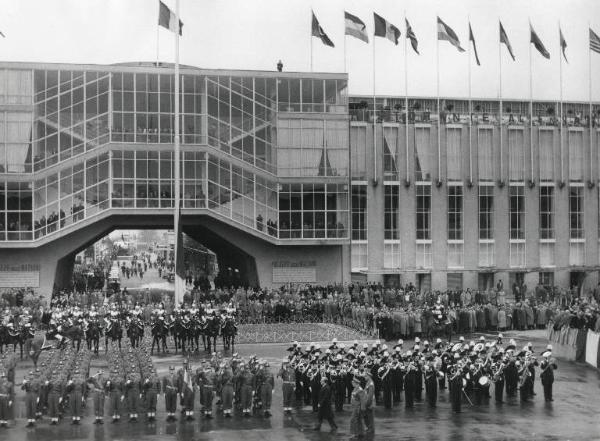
<point x="573" y="415"/>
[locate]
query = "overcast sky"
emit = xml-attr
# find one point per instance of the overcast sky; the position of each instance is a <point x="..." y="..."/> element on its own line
<point x="253" y="34"/>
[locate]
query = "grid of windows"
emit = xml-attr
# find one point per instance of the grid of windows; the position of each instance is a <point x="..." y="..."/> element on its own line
<point x="486" y="254"/>
<point x="423" y="212"/>
<point x="517" y="254"/>
<point x="576" y="212"/>
<point x="546" y="279"/>
<point x="453" y="154"/>
<point x="358" y="152"/>
<point x="517" y="212"/>
<point x="391" y="212"/>
<point x="313" y="211"/>
<point x="15" y="210"/>
<point x="455" y="255"/>
<point x="516" y="154"/>
<point x="546" y="148"/>
<point x="486" y="212"/>
<point x="576" y="156"/>
<point x="423" y="255"/>
<point x="485" y="158"/>
<point x="391" y="254"/>
<point x="359" y="257"/>
<point x="455" y="212"/>
<point x="577" y="253"/>
<point x="359" y="212"/>
<point x="546" y="212"/>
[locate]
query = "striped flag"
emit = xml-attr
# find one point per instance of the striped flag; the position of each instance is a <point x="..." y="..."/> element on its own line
<point x="167" y="19"/>
<point x="445" y="32"/>
<point x="317" y="31"/>
<point x="356" y="27"/>
<point x="385" y="29"/>
<point x="594" y="41"/>
<point x="413" y="38"/>
<point x="504" y="39"/>
<point x="563" y="44"/>
<point x="472" y="39"/>
<point x="535" y="40"/>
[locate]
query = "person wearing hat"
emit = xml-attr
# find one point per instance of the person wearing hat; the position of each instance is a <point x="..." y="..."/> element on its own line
<point x="169" y="389"/>
<point x="246" y="380"/>
<point x="266" y="384"/>
<point x="226" y="382"/>
<point x="369" y="403"/>
<point x="357" y="403"/>
<point x="95" y="385"/>
<point x="511" y="377"/>
<point x="547" y="366"/>
<point x="207" y="395"/>
<point x="31" y="388"/>
<point x="325" y="412"/>
<point x="54" y="387"/>
<point x="132" y="394"/>
<point x="114" y="389"/>
<point x="6" y="399"/>
<point x="288" y="376"/>
<point x="76" y="390"/>
<point x="151" y="388"/>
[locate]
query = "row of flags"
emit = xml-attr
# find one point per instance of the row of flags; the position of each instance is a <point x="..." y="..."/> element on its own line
<point x="357" y="28"/>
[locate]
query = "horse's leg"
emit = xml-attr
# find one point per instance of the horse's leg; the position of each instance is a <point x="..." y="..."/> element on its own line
<point x="232" y="343"/>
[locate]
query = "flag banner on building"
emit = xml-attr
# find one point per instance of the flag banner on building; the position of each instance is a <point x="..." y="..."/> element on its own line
<point x="504" y="39"/>
<point x="472" y="40"/>
<point x="594" y="41"/>
<point x="563" y="44"/>
<point x="167" y="19"/>
<point x="445" y="32"/>
<point x="412" y="37"/>
<point x="385" y="29"/>
<point x="535" y="40"/>
<point x="317" y="31"/>
<point x="355" y="27"/>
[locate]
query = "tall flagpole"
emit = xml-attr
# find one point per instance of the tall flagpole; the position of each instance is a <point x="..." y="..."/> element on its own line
<point x="157" y="38"/>
<point x="530" y="103"/>
<point x="500" y="96"/>
<point x="561" y="110"/>
<point x="374" y="118"/>
<point x="470" y="107"/>
<point x="178" y="280"/>
<point x="439" y="135"/>
<point x="590" y="98"/>
<point x="312" y="14"/>
<point x="406" y="91"/>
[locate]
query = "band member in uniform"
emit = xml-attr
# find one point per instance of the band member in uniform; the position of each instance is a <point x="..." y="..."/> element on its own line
<point x="31" y="388"/>
<point x="456" y="389"/>
<point x="431" y="385"/>
<point x="498" y="379"/>
<point x="548" y="365"/>
<point x="325" y="412"/>
<point x="409" y="385"/>
<point x="369" y="403"/>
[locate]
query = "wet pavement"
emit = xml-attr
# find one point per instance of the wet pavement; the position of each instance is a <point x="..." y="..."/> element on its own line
<point x="572" y="416"/>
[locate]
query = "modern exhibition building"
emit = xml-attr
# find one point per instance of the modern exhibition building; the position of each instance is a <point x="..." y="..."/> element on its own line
<point x="290" y="180"/>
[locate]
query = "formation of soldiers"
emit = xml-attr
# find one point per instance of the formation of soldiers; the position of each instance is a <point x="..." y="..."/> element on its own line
<point x="365" y="376"/>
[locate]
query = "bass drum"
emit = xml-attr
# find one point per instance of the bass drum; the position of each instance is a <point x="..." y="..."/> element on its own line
<point x="484" y="381"/>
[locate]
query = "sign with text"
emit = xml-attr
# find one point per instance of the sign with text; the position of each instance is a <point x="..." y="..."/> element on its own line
<point x="295" y="272"/>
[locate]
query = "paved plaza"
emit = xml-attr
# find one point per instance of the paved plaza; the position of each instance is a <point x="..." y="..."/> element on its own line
<point x="573" y="414"/>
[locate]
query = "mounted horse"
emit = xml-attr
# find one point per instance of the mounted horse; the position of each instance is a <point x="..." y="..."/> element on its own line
<point x="114" y="331"/>
<point x="229" y="331"/>
<point x="210" y="330"/>
<point x="180" y="331"/>
<point x="15" y="336"/>
<point x="160" y="331"/>
<point x="93" y="333"/>
<point x="135" y="331"/>
<point x="66" y="332"/>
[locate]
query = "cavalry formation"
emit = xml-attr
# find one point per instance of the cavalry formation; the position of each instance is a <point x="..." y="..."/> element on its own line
<point x="183" y="328"/>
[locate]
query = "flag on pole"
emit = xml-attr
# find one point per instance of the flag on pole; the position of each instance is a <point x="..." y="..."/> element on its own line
<point x="317" y="31"/>
<point x="167" y="19"/>
<point x="187" y="380"/>
<point x="356" y="27"/>
<point x="563" y="44"/>
<point x="385" y="29"/>
<point x="504" y="39"/>
<point x="445" y="32"/>
<point x="412" y="37"/>
<point x="472" y="39"/>
<point x="594" y="41"/>
<point x="2" y="33"/>
<point x="538" y="43"/>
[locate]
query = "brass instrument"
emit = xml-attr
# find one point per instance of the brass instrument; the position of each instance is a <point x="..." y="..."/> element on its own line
<point x="526" y="374"/>
<point x="497" y="371"/>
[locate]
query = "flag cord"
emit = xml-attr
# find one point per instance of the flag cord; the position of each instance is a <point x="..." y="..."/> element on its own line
<point x="406" y="91"/>
<point x="590" y="97"/>
<point x="470" y="108"/>
<point x="500" y="97"/>
<point x="374" y="120"/>
<point x="177" y="171"/>
<point x="531" y="107"/>
<point x="439" y="135"/>
<point x="561" y="113"/>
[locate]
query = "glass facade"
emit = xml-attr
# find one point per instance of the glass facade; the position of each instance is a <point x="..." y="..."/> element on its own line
<point x="82" y="141"/>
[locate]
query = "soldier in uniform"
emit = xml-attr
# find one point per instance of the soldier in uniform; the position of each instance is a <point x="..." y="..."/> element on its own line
<point x="267" y="384"/>
<point x="208" y="390"/>
<point x="456" y="387"/>
<point x="358" y="407"/>
<point x="31" y="387"/>
<point x="151" y="388"/>
<point x="169" y="388"/>
<point x="409" y="385"/>
<point x="431" y="385"/>
<point x="288" y="375"/>
<point x="96" y="387"/>
<point x="6" y="399"/>
<point x="54" y="386"/>
<point x="132" y="395"/>
<point x="226" y="381"/>
<point x="76" y="390"/>
<point x="114" y="388"/>
<point x="246" y="378"/>
<point x="369" y="403"/>
<point x="325" y="412"/>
